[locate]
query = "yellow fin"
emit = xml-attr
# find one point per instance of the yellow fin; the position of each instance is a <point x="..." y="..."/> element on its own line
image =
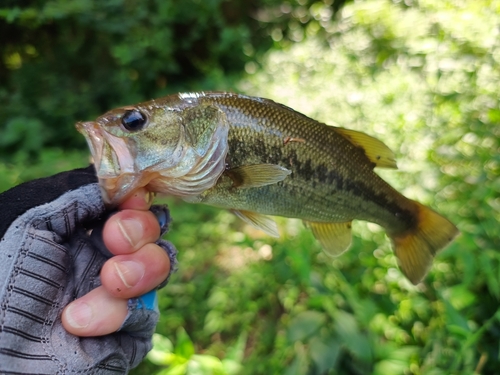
<point x="262" y="222"/>
<point x="416" y="248"/>
<point x="375" y="150"/>
<point x="257" y="175"/>
<point x="334" y="237"/>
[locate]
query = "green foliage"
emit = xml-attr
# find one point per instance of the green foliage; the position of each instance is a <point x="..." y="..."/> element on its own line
<point x="66" y="61"/>
<point x="424" y="79"/>
<point x="182" y="359"/>
<point x="420" y="75"/>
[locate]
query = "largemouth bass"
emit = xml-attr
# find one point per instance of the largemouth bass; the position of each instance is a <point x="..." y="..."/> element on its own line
<point x="258" y="158"/>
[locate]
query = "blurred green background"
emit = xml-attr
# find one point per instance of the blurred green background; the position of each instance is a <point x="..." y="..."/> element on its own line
<point x="422" y="75"/>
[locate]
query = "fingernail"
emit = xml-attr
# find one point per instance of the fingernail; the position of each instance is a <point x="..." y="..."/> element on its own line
<point x="79" y="314"/>
<point x="131" y="229"/>
<point x="129" y="272"/>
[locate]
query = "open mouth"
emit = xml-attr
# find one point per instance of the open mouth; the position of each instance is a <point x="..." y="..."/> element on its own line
<point x="94" y="138"/>
<point x="113" y="161"/>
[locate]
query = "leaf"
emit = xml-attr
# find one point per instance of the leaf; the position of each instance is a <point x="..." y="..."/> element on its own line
<point x="179" y="369"/>
<point x="234" y="357"/>
<point x="453" y="317"/>
<point x="184" y="347"/>
<point x="232" y="367"/>
<point x="205" y="365"/>
<point x="161" y="353"/>
<point x="348" y="331"/>
<point x="459" y="296"/>
<point x="390" y="367"/>
<point x="491" y="276"/>
<point x="323" y="353"/>
<point x="299" y="364"/>
<point x="395" y="360"/>
<point x="237" y="351"/>
<point x="304" y="324"/>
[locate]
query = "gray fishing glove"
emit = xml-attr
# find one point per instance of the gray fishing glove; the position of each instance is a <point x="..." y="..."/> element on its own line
<point x="51" y="253"/>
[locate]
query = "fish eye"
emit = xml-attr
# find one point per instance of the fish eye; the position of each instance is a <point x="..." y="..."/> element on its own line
<point x="134" y="120"/>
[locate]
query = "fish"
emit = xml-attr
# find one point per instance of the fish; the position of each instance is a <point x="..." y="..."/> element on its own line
<point x="259" y="158"/>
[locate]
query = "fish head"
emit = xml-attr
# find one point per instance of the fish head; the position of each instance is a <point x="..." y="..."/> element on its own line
<point x="168" y="146"/>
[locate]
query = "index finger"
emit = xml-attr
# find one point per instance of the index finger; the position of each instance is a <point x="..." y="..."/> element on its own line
<point x="141" y="199"/>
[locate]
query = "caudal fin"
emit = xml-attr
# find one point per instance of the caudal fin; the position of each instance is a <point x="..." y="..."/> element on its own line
<point x="416" y="248"/>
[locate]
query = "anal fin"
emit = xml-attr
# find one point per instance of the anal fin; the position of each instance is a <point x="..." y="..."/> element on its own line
<point x="256" y="175"/>
<point x="259" y="221"/>
<point x="335" y="238"/>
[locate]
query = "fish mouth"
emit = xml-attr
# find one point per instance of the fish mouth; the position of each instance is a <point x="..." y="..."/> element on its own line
<point x="113" y="162"/>
<point x="94" y="138"/>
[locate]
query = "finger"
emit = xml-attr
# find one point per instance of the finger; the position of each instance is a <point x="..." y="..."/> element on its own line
<point x="140" y="200"/>
<point x="95" y="314"/>
<point x="128" y="276"/>
<point x="129" y="230"/>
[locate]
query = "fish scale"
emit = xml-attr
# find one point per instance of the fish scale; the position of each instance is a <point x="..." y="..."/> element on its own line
<point x="327" y="199"/>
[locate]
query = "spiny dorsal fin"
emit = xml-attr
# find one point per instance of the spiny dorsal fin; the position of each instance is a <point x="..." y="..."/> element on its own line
<point x="334" y="237"/>
<point x="375" y="150"/>
<point x="257" y="175"/>
<point x="262" y="222"/>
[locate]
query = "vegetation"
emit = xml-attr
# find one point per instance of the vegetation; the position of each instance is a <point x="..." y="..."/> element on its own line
<point x="420" y="75"/>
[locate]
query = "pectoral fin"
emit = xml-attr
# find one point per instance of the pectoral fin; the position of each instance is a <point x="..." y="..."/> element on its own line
<point x="375" y="150"/>
<point x="334" y="237"/>
<point x="262" y="222"/>
<point x="257" y="175"/>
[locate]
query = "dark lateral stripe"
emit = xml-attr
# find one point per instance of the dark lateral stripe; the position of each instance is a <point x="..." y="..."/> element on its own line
<point x="28" y="315"/>
<point x="34" y="296"/>
<point x="47" y="261"/>
<point x="20" y="333"/>
<point x="49" y="242"/>
<point x="15" y="353"/>
<point x="39" y="278"/>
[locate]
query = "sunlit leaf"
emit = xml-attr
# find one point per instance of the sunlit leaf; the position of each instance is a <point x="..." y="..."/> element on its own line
<point x="161" y="353"/>
<point x="205" y="365"/>
<point x="184" y="346"/>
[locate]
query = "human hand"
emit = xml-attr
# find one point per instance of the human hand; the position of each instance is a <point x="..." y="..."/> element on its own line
<point x="54" y="233"/>
<point x="130" y="235"/>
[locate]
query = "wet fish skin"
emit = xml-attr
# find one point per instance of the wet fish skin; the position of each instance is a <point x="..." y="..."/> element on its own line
<point x="331" y="179"/>
<point x="257" y="157"/>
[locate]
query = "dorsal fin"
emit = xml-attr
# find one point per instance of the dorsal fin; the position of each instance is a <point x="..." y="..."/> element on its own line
<point x="375" y="150"/>
<point x="335" y="238"/>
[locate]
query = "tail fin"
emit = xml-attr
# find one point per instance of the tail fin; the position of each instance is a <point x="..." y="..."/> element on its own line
<point x="416" y="248"/>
